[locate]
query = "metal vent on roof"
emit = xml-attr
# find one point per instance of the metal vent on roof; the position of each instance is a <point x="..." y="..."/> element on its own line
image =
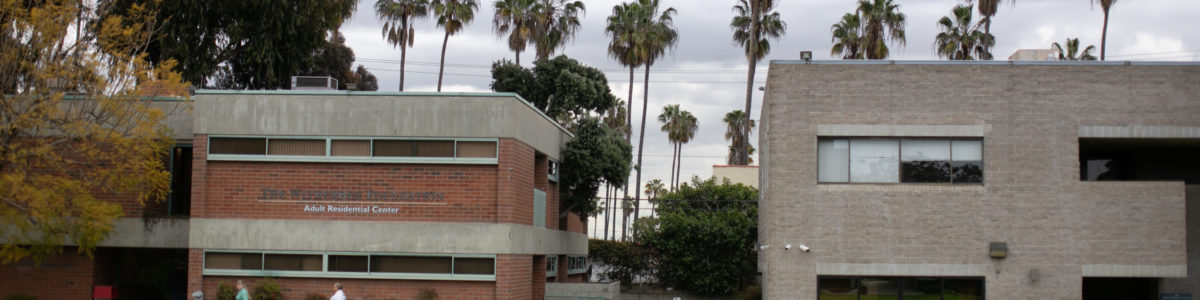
<point x="314" y="83"/>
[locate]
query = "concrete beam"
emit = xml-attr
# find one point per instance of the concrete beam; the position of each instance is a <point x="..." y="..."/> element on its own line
<point x="1136" y="131"/>
<point x="407" y="237"/>
<point x="148" y="233"/>
<point x="1116" y="270"/>
<point x="902" y="269"/>
<point x="901" y="130"/>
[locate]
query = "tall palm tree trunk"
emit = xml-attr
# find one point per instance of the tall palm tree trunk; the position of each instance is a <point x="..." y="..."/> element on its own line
<point x="442" y="67"/>
<point x="672" y="179"/>
<point x="744" y="151"/>
<point x="679" y="166"/>
<point x="607" y="204"/>
<point x="518" y="56"/>
<point x="629" y="117"/>
<point x="1104" y="35"/>
<point x="403" y="55"/>
<point x="637" y="192"/>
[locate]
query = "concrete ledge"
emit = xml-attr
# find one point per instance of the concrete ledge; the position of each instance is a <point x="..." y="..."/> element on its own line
<point x="1139" y="132"/>
<point x="361" y="236"/>
<point x="148" y="233"/>
<point x="607" y="291"/>
<point x="901" y="130"/>
<point x="902" y="269"/>
<point x="899" y="187"/>
<point x="1100" y="270"/>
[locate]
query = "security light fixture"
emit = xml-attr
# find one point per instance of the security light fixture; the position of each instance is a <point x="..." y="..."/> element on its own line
<point x="998" y="250"/>
<point x="806" y="55"/>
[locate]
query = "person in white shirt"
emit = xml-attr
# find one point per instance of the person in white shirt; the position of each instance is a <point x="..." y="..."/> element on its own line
<point x="338" y="295"/>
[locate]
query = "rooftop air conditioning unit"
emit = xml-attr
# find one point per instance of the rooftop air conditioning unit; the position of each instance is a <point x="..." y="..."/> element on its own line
<point x="314" y="83"/>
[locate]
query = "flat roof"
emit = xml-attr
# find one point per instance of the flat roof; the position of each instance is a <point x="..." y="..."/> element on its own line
<point x="984" y="62"/>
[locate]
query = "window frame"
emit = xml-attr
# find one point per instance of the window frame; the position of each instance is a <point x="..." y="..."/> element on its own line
<point x="329" y="158"/>
<point x="326" y="273"/>
<point x="900" y="159"/>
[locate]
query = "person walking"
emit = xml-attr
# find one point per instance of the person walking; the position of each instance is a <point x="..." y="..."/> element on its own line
<point x="242" y="293"/>
<point x="338" y="295"/>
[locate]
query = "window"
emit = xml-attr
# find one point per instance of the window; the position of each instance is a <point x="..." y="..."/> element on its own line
<point x="350" y="265"/>
<point x="551" y="265"/>
<point x="577" y="264"/>
<point x="900" y="288"/>
<point x="387" y="150"/>
<point x="877" y="160"/>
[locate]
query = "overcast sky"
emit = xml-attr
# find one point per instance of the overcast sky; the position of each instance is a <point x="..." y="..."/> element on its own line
<point x="706" y="75"/>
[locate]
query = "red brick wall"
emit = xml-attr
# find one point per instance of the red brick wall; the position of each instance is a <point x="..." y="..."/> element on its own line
<point x="515" y="183"/>
<point x="514" y="278"/>
<point x="298" y="288"/>
<point x="62" y="276"/>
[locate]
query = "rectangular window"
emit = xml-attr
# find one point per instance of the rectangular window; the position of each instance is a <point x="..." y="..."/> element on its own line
<point x="347" y="263"/>
<point x="410" y="264"/>
<point x="898" y="288"/>
<point x="244" y="146"/>
<point x="394" y="148"/>
<point x="350" y="148"/>
<point x="292" y="262"/>
<point x="435" y="149"/>
<point x="233" y="261"/>
<point x="477" y="149"/>
<point x="477" y="266"/>
<point x="876" y="160"/>
<point x="551" y="265"/>
<point x="306" y="147"/>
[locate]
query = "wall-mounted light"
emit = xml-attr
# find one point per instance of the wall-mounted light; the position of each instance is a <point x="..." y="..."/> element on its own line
<point x="998" y="250"/>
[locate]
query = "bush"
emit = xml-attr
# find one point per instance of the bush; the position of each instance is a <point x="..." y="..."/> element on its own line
<point x="751" y="292"/>
<point x="226" y="291"/>
<point x="428" y="294"/>
<point x="267" y="289"/>
<point x="315" y="296"/>
<point x="20" y="297"/>
<point x="703" y="238"/>
<point x="625" y="260"/>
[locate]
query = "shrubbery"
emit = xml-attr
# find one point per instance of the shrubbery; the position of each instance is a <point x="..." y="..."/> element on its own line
<point x="625" y="260"/>
<point x="226" y="291"/>
<point x="267" y="289"/>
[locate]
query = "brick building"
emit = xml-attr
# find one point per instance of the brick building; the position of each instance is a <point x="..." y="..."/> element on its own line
<point x="965" y="180"/>
<point x="387" y="193"/>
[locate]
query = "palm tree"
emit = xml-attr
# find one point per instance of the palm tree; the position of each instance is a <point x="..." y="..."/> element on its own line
<point x="1072" y="50"/>
<point x="657" y="35"/>
<point x="960" y="39"/>
<point x="846" y="38"/>
<point x="554" y="24"/>
<point x="753" y="24"/>
<point x="654" y="189"/>
<point x="615" y="120"/>
<point x="735" y="132"/>
<point x="398" y="17"/>
<point x="882" y="21"/>
<point x="987" y="10"/>
<point x="671" y="119"/>
<point x="686" y="131"/>
<point x="623" y="29"/>
<point x="1105" y="5"/>
<point x="515" y="18"/>
<point x="452" y="15"/>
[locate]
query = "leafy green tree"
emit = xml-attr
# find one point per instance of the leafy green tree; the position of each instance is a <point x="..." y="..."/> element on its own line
<point x="735" y="132"/>
<point x="77" y="126"/>
<point x="595" y="155"/>
<point x="260" y="44"/>
<point x="1106" y="5"/>
<point x="680" y="126"/>
<point x="1071" y="52"/>
<point x="398" y="18"/>
<point x="962" y="40"/>
<point x="452" y="15"/>
<point x="554" y="24"/>
<point x="721" y="216"/>
<point x="365" y="80"/>
<point x="515" y="18"/>
<point x="753" y="25"/>
<point x="882" y="22"/>
<point x="657" y="35"/>
<point x="624" y="261"/>
<point x="333" y="59"/>
<point x="561" y="87"/>
<point x="847" y="34"/>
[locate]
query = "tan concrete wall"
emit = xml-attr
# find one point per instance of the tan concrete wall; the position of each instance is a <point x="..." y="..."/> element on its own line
<point x="375" y="114"/>
<point x="1032" y="198"/>
<point x="747" y="175"/>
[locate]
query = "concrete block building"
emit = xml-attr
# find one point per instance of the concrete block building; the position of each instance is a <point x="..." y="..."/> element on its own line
<point x="387" y="193"/>
<point x="973" y="180"/>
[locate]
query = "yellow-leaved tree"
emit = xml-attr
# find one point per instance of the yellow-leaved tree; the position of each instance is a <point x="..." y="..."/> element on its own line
<point x="76" y="124"/>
